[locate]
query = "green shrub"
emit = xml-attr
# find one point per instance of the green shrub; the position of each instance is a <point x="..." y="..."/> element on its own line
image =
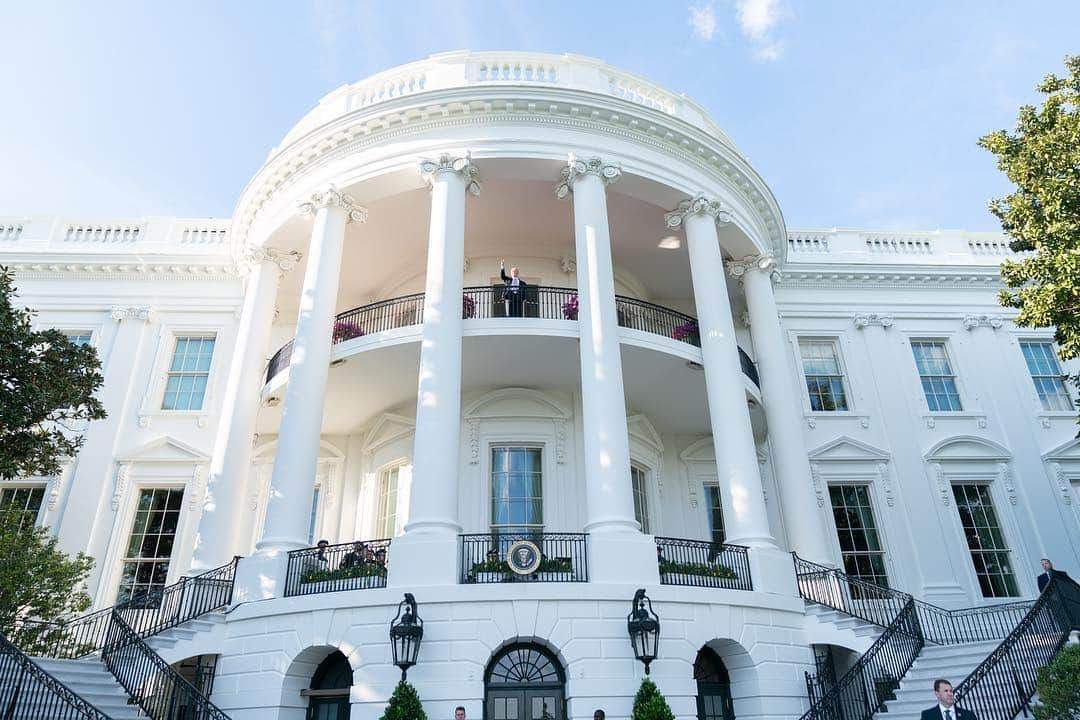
<point x="1059" y="687"/>
<point x="404" y="704"/>
<point x="649" y="703"/>
<point x="701" y="569"/>
<point x="356" y="571"/>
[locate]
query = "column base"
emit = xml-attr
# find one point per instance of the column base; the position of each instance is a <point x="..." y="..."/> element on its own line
<point x="260" y="577"/>
<point x="773" y="571"/>
<point x="623" y="557"/>
<point x="423" y="559"/>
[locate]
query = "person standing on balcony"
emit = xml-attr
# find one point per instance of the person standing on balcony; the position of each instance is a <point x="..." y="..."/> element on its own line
<point x="1049" y="572"/>
<point x="514" y="293"/>
<point x="946" y="705"/>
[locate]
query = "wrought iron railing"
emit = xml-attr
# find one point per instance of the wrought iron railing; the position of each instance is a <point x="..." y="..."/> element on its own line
<point x="878" y="604"/>
<point x="703" y="564"/>
<point x="146" y="613"/>
<point x="152" y="683"/>
<point x="356" y="565"/>
<point x="533" y="301"/>
<point x="485" y="557"/>
<point x="862" y="690"/>
<point x="1004" y="683"/>
<point x="26" y="690"/>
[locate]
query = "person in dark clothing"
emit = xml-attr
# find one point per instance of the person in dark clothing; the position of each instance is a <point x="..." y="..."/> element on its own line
<point x="514" y="293"/>
<point x="1048" y="572"/>
<point x="946" y="706"/>
<point x="356" y="556"/>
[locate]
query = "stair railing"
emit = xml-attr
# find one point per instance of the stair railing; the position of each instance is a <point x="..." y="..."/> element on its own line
<point x="1004" y="683"/>
<point x="152" y="683"/>
<point x="26" y="690"/>
<point x="147" y="613"/>
<point x="878" y="604"/>
<point x="863" y="689"/>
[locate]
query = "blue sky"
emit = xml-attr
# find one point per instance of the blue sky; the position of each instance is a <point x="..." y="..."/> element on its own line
<point x="858" y="114"/>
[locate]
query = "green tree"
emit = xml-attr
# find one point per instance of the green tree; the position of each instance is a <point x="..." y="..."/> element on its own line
<point x="404" y="704"/>
<point x="1059" y="687"/>
<point x="37" y="580"/>
<point x="649" y="703"/>
<point x="1042" y="215"/>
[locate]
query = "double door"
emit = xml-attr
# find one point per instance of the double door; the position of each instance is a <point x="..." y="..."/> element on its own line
<point x="524" y="704"/>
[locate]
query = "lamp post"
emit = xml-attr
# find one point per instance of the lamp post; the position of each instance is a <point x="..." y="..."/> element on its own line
<point x="406" y="631"/>
<point x="644" y="627"/>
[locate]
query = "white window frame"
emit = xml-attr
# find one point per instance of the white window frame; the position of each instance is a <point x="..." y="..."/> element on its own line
<point x="845" y="377"/>
<point x="380" y="476"/>
<point x="870" y="483"/>
<point x="166" y="346"/>
<point x="1036" y="401"/>
<point x="1006" y="524"/>
<point x="525" y="442"/>
<point x="966" y="406"/>
<point x="648" y="526"/>
<point x="70" y="331"/>
<point x="26" y="483"/>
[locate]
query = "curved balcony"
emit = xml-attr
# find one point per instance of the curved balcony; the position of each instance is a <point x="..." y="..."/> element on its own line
<point x="486" y="302"/>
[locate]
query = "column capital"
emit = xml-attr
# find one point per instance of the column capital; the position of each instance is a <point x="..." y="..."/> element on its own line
<point x="765" y="263"/>
<point x="700" y="204"/>
<point x="132" y="312"/>
<point x="332" y="197"/>
<point x="254" y="255"/>
<point x="463" y="166"/>
<point x="576" y="167"/>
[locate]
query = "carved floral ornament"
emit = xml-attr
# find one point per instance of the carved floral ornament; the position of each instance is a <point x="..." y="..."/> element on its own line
<point x="331" y="197"/>
<point x="576" y="168"/>
<point x="132" y="312"/>
<point x="255" y="255"/>
<point x="863" y="320"/>
<point x="697" y="205"/>
<point x="462" y="166"/>
<point x="764" y="263"/>
<point x="970" y="322"/>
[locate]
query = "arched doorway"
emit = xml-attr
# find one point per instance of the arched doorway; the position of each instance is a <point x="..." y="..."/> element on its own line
<point x="713" y="687"/>
<point x="328" y="697"/>
<point x="524" y="681"/>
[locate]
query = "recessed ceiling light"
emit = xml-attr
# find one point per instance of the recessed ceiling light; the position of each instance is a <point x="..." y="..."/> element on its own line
<point x="337" y="363"/>
<point x="671" y="242"/>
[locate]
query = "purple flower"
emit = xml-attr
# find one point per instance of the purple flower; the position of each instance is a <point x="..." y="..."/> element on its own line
<point x="346" y="330"/>
<point x="684" y="331"/>
<point x="570" y="308"/>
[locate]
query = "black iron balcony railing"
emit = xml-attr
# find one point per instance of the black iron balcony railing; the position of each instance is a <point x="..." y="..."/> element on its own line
<point x="356" y="565"/>
<point x="486" y="557"/>
<point x="486" y="302"/>
<point x="28" y="691"/>
<point x="701" y="563"/>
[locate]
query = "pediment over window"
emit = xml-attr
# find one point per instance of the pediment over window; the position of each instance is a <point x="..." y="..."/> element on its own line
<point x="699" y="452"/>
<point x="516" y="403"/>
<point x="968" y="448"/>
<point x="388" y="427"/>
<point x="165" y="449"/>
<point x="327" y="452"/>
<point x="1067" y="453"/>
<point x="846" y="449"/>
<point x="639" y="428"/>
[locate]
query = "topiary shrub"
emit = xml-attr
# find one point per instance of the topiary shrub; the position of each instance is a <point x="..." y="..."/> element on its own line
<point x="1059" y="687"/>
<point x="404" y="704"/>
<point x="649" y="703"/>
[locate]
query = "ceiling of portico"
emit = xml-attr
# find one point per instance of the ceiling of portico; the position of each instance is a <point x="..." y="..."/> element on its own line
<point x="516" y="217"/>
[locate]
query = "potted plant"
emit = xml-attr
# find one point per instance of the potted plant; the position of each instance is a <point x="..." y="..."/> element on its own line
<point x="346" y="330"/>
<point x="686" y="331"/>
<point x="690" y="573"/>
<point x="330" y="580"/>
<point x="555" y="570"/>
<point x="570" y="308"/>
<point x="468" y="307"/>
<point x="489" y="571"/>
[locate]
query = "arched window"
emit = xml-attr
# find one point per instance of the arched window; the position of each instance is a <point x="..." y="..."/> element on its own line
<point x="713" y="687"/>
<point x="328" y="698"/>
<point x="524" y="681"/>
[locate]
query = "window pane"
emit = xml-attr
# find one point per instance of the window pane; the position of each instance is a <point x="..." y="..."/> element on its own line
<point x="145" y="566"/>
<point x="857" y="534"/>
<point x="24" y="501"/>
<point x="986" y="541"/>
<point x="1045" y="372"/>
<point x="314" y="516"/>
<point x="386" y="522"/>
<point x="516" y="489"/>
<point x="715" y="513"/>
<point x="641" y="499"/>
<point x="824" y="378"/>
<point x="189" y="370"/>
<point x="936" y="374"/>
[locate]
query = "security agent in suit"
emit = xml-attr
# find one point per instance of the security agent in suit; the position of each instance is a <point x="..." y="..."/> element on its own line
<point x="514" y="294"/>
<point x="1049" y="572"/>
<point x="945" y="708"/>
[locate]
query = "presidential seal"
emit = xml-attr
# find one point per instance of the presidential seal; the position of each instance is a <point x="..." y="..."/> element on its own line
<point x="524" y="557"/>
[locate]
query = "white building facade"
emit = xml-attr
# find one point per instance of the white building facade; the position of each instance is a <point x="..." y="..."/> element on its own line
<point x="680" y="376"/>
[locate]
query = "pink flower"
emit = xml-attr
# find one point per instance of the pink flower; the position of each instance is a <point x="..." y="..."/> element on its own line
<point x="346" y="330"/>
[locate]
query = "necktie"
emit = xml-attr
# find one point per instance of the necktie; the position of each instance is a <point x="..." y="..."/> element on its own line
<point x="948" y="715"/>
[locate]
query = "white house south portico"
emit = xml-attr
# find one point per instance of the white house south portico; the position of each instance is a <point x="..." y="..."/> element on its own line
<point x="685" y="394"/>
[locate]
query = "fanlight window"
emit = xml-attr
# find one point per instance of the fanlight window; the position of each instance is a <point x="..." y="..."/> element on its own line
<point x="525" y="664"/>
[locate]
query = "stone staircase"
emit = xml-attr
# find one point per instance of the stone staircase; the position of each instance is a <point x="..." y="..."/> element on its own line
<point x="860" y="633"/>
<point x="87" y="678"/>
<point x="952" y="662"/>
<point x="183" y="634"/>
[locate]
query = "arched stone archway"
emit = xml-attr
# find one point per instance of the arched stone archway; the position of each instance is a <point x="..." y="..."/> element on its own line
<point x="714" y="701"/>
<point x="524" y="681"/>
<point x="313" y="666"/>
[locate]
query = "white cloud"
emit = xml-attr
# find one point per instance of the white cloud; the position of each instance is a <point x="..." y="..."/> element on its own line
<point x="703" y="20"/>
<point x="772" y="51"/>
<point x="757" y="19"/>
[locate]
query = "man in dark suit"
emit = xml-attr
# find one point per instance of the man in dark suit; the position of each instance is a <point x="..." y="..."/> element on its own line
<point x="946" y="708"/>
<point x="1049" y="572"/>
<point x="514" y="294"/>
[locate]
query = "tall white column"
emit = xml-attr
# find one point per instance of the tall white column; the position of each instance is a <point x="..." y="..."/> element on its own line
<point x="427" y="553"/>
<point x="618" y="551"/>
<point x="230" y="464"/>
<point x="806" y="529"/>
<point x="292" y="484"/>
<point x="745" y="519"/>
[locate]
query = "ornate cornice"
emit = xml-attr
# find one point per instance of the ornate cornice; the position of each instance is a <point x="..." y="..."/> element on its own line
<point x="132" y="312"/>
<point x="98" y="270"/>
<point x="331" y="197"/>
<point x="255" y="255"/>
<point x="862" y="320"/>
<point x="697" y="205"/>
<point x="898" y="277"/>
<point x="446" y="163"/>
<point x="970" y="322"/>
<point x="765" y="263"/>
<point x="576" y="167"/>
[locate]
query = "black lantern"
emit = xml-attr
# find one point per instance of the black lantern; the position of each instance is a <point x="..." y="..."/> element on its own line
<point x="644" y="628"/>
<point x="406" y="631"/>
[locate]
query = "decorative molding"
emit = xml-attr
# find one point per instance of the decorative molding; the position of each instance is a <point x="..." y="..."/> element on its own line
<point x="744" y="317"/>
<point x="700" y="204"/>
<point x="931" y="423"/>
<point x="123" y="472"/>
<point x="331" y="197"/>
<point x="254" y="255"/>
<point x="465" y="265"/>
<point x="98" y="270"/>
<point x="811" y="422"/>
<point x="568" y="264"/>
<point x="144" y="421"/>
<point x="1045" y="423"/>
<point x="942" y="483"/>
<point x="1064" y="486"/>
<point x="862" y="320"/>
<point x="330" y="486"/>
<point x="57" y="483"/>
<point x="1005" y="475"/>
<point x="765" y="263"/>
<point x="560" y="442"/>
<point x="575" y="168"/>
<point x="692" y="493"/>
<point x="970" y="322"/>
<point x="195" y="490"/>
<point x="886" y="483"/>
<point x="815" y="479"/>
<point x="473" y="429"/>
<point x="899" y="278"/>
<point x="463" y="166"/>
<point x="864" y="422"/>
<point x="253" y="500"/>
<point x="980" y="422"/>
<point x="132" y="312"/>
